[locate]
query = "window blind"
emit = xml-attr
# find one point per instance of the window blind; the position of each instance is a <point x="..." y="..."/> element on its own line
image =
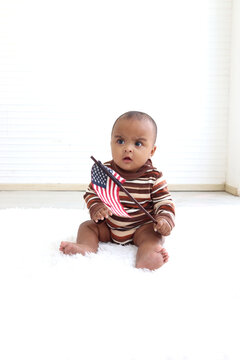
<point x="68" y="70"/>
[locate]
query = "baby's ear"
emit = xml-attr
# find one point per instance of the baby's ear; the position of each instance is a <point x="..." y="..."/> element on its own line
<point x="153" y="150"/>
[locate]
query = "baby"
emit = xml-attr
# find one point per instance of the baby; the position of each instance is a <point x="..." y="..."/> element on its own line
<point x="133" y="144"/>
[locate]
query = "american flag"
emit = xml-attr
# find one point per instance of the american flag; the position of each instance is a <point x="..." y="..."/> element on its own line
<point x="107" y="190"/>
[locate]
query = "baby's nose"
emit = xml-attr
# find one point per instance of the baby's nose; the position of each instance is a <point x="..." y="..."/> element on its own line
<point x="128" y="148"/>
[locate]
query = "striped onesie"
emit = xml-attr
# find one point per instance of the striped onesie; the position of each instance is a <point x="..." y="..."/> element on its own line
<point x="149" y="188"/>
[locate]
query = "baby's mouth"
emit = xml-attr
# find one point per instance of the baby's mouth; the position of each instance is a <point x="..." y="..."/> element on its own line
<point x="127" y="159"/>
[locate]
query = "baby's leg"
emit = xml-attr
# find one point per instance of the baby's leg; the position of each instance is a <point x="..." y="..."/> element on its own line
<point x="150" y="255"/>
<point x="88" y="237"/>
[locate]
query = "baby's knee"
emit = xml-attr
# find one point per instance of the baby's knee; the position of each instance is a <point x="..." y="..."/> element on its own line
<point x="88" y="225"/>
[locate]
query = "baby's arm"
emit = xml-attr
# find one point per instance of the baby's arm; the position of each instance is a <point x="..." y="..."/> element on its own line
<point x="164" y="209"/>
<point x="97" y="209"/>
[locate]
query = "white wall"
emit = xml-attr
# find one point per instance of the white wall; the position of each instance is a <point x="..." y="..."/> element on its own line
<point x="233" y="168"/>
<point x="68" y="69"/>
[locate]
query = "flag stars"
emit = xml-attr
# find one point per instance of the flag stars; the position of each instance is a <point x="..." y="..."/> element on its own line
<point x="99" y="178"/>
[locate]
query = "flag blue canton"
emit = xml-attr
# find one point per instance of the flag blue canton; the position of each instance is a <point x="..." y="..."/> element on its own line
<point x="99" y="177"/>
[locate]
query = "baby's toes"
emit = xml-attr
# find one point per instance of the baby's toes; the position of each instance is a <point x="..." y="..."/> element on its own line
<point x="164" y="255"/>
<point x="62" y="245"/>
<point x="68" y="249"/>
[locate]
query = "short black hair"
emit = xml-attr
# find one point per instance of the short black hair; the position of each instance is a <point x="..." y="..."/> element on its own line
<point x="140" y="116"/>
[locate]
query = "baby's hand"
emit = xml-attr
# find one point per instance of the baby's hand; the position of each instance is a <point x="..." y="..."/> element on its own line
<point x="162" y="227"/>
<point x="101" y="213"/>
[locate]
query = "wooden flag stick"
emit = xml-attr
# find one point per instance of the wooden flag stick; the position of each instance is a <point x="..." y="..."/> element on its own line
<point x="122" y="188"/>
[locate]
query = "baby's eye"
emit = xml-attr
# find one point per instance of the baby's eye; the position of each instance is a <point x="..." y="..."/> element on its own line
<point x="120" y="141"/>
<point x="138" y="143"/>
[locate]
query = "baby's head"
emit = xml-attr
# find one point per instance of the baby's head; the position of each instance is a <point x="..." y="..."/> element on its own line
<point x="133" y="140"/>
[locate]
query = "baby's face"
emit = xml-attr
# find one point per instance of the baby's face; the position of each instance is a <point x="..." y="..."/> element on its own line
<point x="132" y="143"/>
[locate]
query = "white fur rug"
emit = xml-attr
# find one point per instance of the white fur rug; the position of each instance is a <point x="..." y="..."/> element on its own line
<point x="100" y="307"/>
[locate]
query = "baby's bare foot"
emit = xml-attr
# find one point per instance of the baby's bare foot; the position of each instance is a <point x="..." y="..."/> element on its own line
<point x="70" y="248"/>
<point x="151" y="259"/>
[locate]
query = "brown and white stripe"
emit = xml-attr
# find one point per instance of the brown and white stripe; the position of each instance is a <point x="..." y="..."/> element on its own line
<point x="149" y="188"/>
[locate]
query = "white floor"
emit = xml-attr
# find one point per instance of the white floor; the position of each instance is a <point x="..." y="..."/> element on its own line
<point x="99" y="306"/>
<point x="74" y="200"/>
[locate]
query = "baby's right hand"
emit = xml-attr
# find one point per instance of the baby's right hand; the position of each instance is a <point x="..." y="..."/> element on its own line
<point x="101" y="213"/>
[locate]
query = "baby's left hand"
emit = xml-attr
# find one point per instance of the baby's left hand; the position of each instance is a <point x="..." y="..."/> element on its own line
<point x="162" y="227"/>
